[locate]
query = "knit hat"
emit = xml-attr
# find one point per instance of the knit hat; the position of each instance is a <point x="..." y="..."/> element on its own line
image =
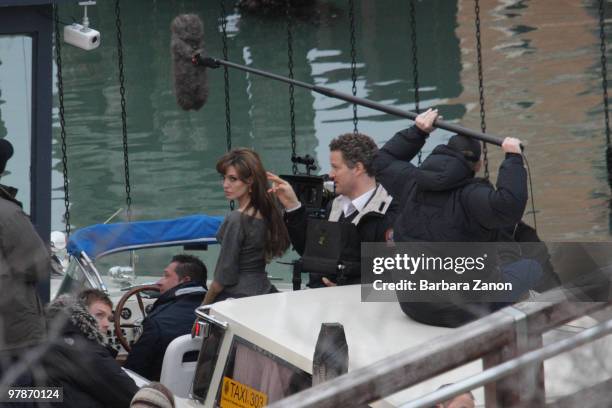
<point x="6" y="152"/>
<point x="152" y="396"/>
<point x="466" y="145"/>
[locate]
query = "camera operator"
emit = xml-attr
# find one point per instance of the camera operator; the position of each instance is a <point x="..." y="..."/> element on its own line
<point x="363" y="211"/>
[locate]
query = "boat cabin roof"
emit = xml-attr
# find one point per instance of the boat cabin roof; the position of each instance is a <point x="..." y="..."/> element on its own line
<point x="288" y="323"/>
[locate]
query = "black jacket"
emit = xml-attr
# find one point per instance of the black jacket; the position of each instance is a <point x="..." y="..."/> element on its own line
<point x="78" y="361"/>
<point x="172" y="316"/>
<point x="441" y="200"/>
<point x="373" y="224"/>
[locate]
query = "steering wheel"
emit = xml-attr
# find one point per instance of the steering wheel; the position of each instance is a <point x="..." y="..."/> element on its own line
<point x="117" y="315"/>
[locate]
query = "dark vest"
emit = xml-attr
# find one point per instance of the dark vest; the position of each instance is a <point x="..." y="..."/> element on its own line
<point x="333" y="250"/>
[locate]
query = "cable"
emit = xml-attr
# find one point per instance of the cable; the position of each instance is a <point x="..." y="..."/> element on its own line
<point x="533" y="209"/>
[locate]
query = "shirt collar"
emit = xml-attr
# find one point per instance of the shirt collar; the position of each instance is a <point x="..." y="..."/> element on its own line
<point x="350" y="206"/>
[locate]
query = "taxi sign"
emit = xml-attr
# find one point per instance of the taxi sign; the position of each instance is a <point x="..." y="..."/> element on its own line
<point x="237" y="395"/>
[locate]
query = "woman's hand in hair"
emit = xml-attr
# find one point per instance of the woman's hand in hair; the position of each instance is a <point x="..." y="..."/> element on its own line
<point x="283" y="190"/>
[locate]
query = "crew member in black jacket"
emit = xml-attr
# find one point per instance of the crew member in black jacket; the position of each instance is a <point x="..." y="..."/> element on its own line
<point x="443" y="201"/>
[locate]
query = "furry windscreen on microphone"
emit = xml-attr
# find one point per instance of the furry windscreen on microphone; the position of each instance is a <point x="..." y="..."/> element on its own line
<point x="190" y="82"/>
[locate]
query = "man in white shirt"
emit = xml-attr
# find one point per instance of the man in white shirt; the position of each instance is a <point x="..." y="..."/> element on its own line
<point x="361" y="201"/>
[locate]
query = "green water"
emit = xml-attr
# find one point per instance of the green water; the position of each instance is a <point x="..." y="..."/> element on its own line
<point x="172" y="153"/>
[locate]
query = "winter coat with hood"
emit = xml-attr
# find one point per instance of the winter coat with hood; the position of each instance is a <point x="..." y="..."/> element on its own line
<point x="78" y="361"/>
<point x="24" y="261"/>
<point x="172" y="315"/>
<point x="441" y="200"/>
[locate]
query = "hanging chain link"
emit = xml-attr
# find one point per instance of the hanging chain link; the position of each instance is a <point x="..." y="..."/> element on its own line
<point x="353" y="61"/>
<point x="415" y="65"/>
<point x="228" y="115"/>
<point x="126" y="161"/>
<point x="60" y="93"/>
<point x="289" y="16"/>
<point x="604" y="68"/>
<point x="228" y="119"/>
<point x="483" y="125"/>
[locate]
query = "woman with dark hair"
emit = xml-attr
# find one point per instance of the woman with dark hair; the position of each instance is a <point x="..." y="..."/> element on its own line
<point x="252" y="234"/>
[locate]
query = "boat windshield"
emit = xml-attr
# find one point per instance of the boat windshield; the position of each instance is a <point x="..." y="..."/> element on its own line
<point x="262" y="376"/>
<point x="121" y="270"/>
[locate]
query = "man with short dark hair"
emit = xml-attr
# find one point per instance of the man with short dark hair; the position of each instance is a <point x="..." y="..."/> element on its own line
<point x="182" y="289"/>
<point x="361" y="202"/>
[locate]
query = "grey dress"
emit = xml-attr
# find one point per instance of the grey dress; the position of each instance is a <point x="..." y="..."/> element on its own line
<point x="241" y="266"/>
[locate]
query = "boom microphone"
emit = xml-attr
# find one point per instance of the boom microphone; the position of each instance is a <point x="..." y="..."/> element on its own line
<point x="190" y="58"/>
<point x="190" y="81"/>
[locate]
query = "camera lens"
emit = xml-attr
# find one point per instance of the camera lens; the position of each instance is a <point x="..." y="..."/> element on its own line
<point x="94" y="39"/>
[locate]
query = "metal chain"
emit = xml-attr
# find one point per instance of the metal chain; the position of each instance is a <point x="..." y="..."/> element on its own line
<point x="228" y="119"/>
<point x="289" y="16"/>
<point x="60" y="93"/>
<point x="483" y="125"/>
<point x="228" y="116"/>
<point x="353" y="61"/>
<point x="126" y="161"/>
<point x="604" y="69"/>
<point x="415" y="65"/>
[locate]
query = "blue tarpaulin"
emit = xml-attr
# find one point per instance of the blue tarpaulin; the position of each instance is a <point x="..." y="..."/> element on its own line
<point x="103" y="239"/>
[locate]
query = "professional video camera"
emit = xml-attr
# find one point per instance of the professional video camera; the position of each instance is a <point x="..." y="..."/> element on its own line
<point x="315" y="192"/>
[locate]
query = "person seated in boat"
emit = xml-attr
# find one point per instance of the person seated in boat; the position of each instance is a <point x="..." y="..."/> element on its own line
<point x="443" y="201"/>
<point x="99" y="305"/>
<point x="182" y="289"/>
<point x="363" y="209"/>
<point x="78" y="361"/>
<point x="250" y="236"/>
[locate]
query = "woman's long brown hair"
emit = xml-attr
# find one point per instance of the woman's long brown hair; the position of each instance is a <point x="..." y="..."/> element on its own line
<point x="251" y="171"/>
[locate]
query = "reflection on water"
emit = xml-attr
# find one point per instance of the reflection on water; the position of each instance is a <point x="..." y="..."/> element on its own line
<point x="541" y="84"/>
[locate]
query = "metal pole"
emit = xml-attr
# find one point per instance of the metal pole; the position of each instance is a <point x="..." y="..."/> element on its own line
<point x="497" y="372"/>
<point x="216" y="63"/>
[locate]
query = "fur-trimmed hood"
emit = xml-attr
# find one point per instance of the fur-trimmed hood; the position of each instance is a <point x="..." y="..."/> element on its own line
<point x="67" y="316"/>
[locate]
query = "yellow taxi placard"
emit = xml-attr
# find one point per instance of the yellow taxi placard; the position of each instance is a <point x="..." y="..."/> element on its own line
<point x="238" y="395"/>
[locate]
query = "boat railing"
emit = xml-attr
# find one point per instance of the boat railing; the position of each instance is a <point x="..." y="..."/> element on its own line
<point x="509" y="343"/>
